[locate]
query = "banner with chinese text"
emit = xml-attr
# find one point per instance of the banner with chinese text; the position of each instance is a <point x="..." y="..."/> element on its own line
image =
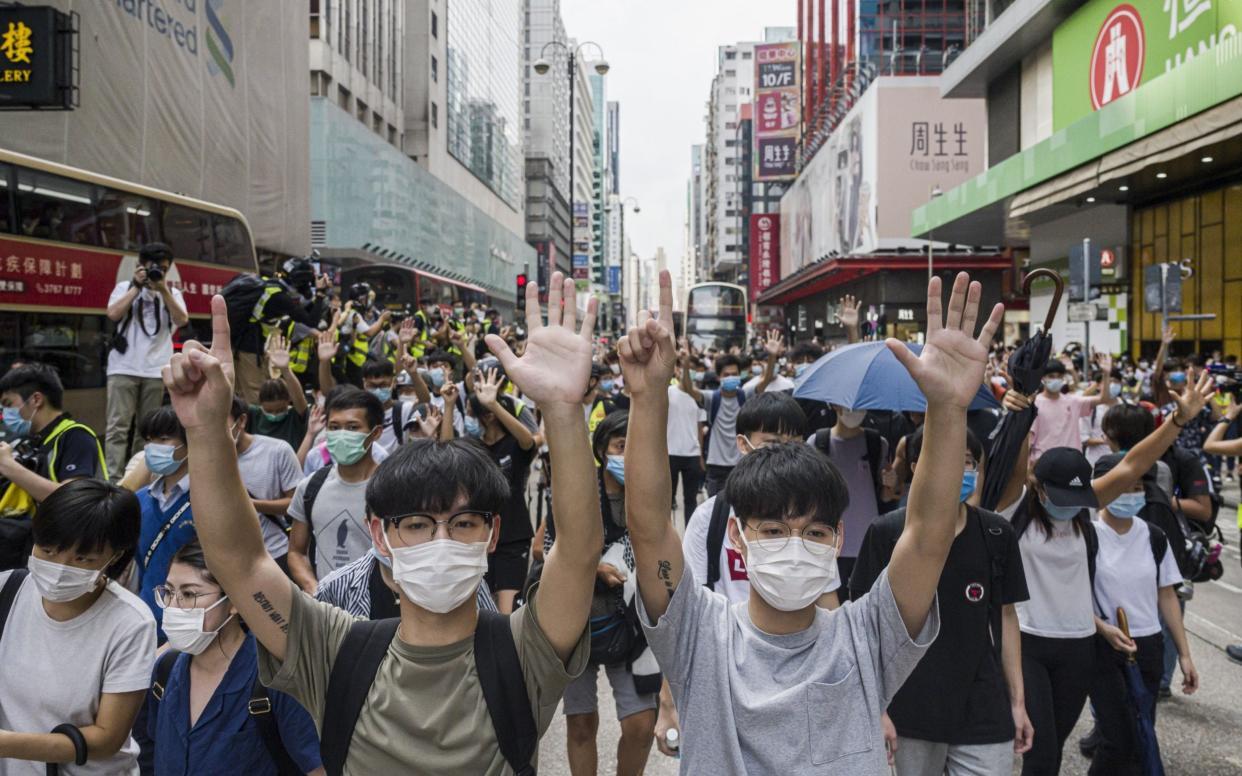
<point x="765" y="252"/>
<point x="777" y="111"/>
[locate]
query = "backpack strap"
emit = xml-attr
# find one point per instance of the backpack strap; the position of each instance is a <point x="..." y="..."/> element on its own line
<point x="504" y="690"/>
<point x="1159" y="546"/>
<point x="397" y="429"/>
<point x="715" y="538"/>
<point x="353" y="672"/>
<point x="8" y="593"/>
<point x="823" y="441"/>
<point x="260" y="707"/>
<point x="163" y="670"/>
<point x="312" y="490"/>
<point x="994" y="541"/>
<point x="168" y="526"/>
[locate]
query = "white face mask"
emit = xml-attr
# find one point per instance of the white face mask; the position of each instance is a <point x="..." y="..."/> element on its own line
<point x="184" y="628"/>
<point x="59" y="583"/>
<point x="789" y="578"/>
<point x="852" y="418"/>
<point x="441" y="574"/>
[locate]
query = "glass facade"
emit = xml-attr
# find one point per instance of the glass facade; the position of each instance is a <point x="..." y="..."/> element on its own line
<point x="484" y="92"/>
<point x="910" y="37"/>
<point x="366" y="191"/>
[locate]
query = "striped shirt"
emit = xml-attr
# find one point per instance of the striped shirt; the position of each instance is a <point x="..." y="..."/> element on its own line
<point x="349" y="588"/>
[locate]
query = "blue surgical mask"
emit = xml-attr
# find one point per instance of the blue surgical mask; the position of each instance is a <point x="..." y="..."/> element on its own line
<point x="382" y="558"/>
<point x="1177" y="377"/>
<point x="606" y="385"/>
<point x="437" y="377"/>
<point x="1055" y="385"/>
<point x="1059" y="513"/>
<point x="473" y="428"/>
<point x="616" y="467"/>
<point x="696" y="377"/>
<point x="969" y="481"/>
<point x="756" y="369"/>
<point x="1127" y="505"/>
<point x="15" y="423"/>
<point x="800" y="369"/>
<point x="730" y="384"/>
<point x="160" y="458"/>
<point x="1114" y="390"/>
<point x="383" y="394"/>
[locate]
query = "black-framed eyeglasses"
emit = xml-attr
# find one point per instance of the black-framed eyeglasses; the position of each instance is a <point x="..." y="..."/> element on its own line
<point x="818" y="538"/>
<point x="469" y="525"/>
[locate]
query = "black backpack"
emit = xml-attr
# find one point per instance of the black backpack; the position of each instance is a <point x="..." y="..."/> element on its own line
<point x="241" y="294"/>
<point x="500" y="675"/>
<point x="260" y="707"/>
<point x="1190" y="543"/>
<point x="875" y="460"/>
<point x="313" y="486"/>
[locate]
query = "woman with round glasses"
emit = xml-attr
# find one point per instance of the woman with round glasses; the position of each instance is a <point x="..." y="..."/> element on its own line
<point x="208" y="713"/>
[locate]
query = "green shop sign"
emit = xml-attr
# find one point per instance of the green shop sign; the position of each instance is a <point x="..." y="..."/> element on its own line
<point x="1107" y="49"/>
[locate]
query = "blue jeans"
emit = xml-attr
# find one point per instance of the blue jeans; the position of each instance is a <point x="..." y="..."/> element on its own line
<point x="1170" y="651"/>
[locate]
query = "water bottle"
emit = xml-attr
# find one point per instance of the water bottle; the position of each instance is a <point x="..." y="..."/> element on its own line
<point x="673" y="740"/>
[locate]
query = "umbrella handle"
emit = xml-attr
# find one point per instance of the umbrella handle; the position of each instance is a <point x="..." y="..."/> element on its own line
<point x="1055" y="277"/>
<point x="1123" y="623"/>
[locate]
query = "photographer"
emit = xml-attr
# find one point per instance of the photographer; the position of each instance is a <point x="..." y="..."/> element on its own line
<point x="146" y="311"/>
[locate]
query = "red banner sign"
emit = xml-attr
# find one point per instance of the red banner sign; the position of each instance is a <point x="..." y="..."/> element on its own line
<point x="40" y="275"/>
<point x="765" y="252"/>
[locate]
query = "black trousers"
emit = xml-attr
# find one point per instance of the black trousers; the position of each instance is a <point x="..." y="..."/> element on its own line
<point x="1114" y="718"/>
<point x="1057" y="674"/>
<point x="691" y="470"/>
<point x="716" y="476"/>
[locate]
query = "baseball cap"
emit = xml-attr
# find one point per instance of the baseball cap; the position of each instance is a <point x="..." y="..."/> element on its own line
<point x="1065" y="475"/>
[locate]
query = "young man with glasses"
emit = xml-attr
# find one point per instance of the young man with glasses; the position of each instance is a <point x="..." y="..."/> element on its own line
<point x="748" y="679"/>
<point x="438" y="505"/>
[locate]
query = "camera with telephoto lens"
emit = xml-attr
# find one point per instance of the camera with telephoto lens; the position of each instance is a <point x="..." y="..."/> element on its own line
<point x="1228" y="378"/>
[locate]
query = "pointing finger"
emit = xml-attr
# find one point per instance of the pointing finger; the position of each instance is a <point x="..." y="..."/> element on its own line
<point x="221" y="339"/>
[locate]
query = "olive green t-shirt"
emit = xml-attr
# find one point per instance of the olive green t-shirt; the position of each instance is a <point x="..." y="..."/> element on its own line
<point x="425" y="713"/>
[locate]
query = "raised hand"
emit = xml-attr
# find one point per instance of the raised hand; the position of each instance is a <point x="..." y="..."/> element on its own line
<point x="649" y="352"/>
<point x="328" y="346"/>
<point x="556" y="364"/>
<point x="775" y="343"/>
<point x="200" y="381"/>
<point x="317" y="420"/>
<point x="847" y="316"/>
<point x="278" y="351"/>
<point x="950" y="369"/>
<point x="1168" y="336"/>
<point x="488" y="388"/>
<point x="430" y="425"/>
<point x="408" y="362"/>
<point x="406" y="334"/>
<point x="1191" y="401"/>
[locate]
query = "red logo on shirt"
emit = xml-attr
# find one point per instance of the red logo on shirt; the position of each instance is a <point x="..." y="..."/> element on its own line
<point x="974" y="592"/>
<point x="737" y="565"/>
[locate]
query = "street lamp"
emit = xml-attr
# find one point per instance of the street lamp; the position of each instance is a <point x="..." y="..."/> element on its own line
<point x="542" y="66"/>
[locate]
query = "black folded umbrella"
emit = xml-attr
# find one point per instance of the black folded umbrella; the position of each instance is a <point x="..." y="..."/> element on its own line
<point x="1026" y="371"/>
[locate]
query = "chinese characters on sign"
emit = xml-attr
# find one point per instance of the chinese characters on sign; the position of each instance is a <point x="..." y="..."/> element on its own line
<point x="765" y="252"/>
<point x="34" y="67"/>
<point x="777" y="111"/>
<point x="939" y="146"/>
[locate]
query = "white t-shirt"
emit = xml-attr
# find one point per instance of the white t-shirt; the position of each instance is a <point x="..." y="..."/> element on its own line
<point x="1126" y="576"/>
<point x="684" y="415"/>
<point x="779" y="383"/>
<point x="269" y="468"/>
<point x="54" y="672"/>
<point x="147" y="352"/>
<point x="1059" y="583"/>
<point x="733" y="584"/>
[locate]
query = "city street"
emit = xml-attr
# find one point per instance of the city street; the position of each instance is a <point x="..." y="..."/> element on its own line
<point x="1198" y="734"/>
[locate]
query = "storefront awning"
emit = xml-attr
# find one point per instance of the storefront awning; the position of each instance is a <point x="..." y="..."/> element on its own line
<point x="828" y="274"/>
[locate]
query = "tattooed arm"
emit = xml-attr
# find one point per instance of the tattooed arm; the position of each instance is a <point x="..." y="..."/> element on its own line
<point x="200" y="384"/>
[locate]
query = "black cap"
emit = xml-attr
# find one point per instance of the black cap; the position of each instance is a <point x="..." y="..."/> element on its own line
<point x="1065" y="475"/>
<point x="1112" y="460"/>
<point x="154" y="251"/>
<point x="597" y="369"/>
<point x="488" y="364"/>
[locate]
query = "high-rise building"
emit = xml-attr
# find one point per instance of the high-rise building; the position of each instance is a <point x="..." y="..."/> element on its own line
<point x="599" y="178"/>
<point x="546" y="126"/>
<point x="584" y="201"/>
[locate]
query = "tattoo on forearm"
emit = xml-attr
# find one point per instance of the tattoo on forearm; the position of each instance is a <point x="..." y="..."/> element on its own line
<point x="272" y="614"/>
<point x="665" y="573"/>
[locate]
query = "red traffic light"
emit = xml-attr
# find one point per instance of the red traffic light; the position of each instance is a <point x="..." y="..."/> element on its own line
<point x="521" y="280"/>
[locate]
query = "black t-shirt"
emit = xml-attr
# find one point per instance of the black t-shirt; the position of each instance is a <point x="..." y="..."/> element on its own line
<point x="1189" y="477"/>
<point x="957" y="694"/>
<point x="77" y="453"/>
<point x="515" y="463"/>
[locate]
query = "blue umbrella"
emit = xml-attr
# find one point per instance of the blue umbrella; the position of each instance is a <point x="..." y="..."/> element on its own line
<point x="1142" y="710"/>
<point x="867" y="376"/>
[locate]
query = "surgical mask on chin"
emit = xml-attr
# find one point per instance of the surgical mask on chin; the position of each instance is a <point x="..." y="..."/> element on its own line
<point x="731" y="383"/>
<point x="616" y="467"/>
<point x="1059" y="513"/>
<point x="58" y="583"/>
<point x="1127" y="505"/>
<point x="184" y="628"/>
<point x="439" y="575"/>
<point x="160" y="458"/>
<point x="347" y="447"/>
<point x="1055" y="385"/>
<point x="790" y="578"/>
<point x="15" y="423"/>
<point x="383" y="394"/>
<point x="852" y="418"/>
<point x="969" y="481"/>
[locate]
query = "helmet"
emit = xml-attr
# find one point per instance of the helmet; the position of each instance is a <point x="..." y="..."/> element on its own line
<point x="359" y="292"/>
<point x="299" y="272"/>
<point x="486" y="365"/>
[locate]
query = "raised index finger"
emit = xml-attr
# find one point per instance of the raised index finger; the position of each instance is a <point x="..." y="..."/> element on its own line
<point x="666" y="299"/>
<point x="221" y="339"/>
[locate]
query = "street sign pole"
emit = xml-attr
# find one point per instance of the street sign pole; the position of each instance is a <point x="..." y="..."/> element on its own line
<point x="1086" y="297"/>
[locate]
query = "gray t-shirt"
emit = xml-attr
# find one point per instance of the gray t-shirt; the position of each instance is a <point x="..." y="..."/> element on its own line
<point x="338" y="522"/>
<point x="805" y="703"/>
<point x="722" y="447"/>
<point x="54" y="672"/>
<point x="269" y="468"/>
<point x="850" y="458"/>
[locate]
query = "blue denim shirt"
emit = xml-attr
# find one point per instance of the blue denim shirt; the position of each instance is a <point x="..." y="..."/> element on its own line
<point x="226" y="738"/>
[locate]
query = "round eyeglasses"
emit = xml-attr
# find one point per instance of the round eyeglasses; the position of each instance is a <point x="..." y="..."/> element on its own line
<point x="818" y="538"/>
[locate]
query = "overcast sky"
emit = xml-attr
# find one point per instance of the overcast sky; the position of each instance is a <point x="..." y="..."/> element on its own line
<point x="663" y="57"/>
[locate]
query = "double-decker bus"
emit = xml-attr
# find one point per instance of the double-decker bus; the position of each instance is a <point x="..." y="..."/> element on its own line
<point x="68" y="236"/>
<point x="400" y="288"/>
<point x="716" y="316"/>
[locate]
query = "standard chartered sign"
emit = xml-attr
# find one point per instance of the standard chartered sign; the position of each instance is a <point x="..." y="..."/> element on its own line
<point x="1108" y="48"/>
<point x="178" y="21"/>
